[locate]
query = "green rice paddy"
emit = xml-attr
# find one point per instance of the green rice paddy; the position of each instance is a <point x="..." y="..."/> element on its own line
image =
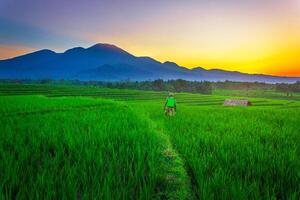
<point x="67" y="142"/>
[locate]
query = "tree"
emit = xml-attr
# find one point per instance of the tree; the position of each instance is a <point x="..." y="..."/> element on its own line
<point x="286" y="88"/>
<point x="158" y="84"/>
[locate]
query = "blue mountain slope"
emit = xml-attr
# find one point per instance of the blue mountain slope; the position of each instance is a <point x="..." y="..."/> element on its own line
<point x="109" y="62"/>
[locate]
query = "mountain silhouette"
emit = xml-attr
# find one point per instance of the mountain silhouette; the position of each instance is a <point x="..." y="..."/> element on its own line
<point x="110" y="63"/>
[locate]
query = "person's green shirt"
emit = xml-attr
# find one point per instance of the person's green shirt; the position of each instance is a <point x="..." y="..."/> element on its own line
<point x="171" y="102"/>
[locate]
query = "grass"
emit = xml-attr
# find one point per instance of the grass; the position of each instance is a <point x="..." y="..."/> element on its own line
<point x="238" y="153"/>
<point x="271" y="94"/>
<point x="104" y="153"/>
<point x="117" y="144"/>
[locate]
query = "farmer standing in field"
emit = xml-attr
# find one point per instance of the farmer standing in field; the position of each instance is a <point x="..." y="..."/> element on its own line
<point x="170" y="105"/>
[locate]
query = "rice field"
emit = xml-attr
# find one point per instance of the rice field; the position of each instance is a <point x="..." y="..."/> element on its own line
<point x="67" y="142"/>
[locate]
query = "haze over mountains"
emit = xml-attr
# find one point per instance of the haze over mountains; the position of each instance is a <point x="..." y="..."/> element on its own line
<point x="110" y="63"/>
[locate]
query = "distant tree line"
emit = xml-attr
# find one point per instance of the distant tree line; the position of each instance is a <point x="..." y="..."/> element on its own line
<point x="231" y="85"/>
<point x="178" y="85"/>
<point x="289" y="89"/>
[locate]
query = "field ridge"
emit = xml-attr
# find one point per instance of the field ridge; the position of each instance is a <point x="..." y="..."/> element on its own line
<point x="176" y="179"/>
<point x="185" y="168"/>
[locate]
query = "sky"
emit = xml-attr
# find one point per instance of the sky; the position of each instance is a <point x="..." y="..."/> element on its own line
<point x="252" y="36"/>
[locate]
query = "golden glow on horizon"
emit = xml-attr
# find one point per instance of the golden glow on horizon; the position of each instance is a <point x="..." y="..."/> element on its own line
<point x="261" y="43"/>
<point x="263" y="60"/>
<point x="9" y="51"/>
<point x="252" y="41"/>
<point x="246" y="45"/>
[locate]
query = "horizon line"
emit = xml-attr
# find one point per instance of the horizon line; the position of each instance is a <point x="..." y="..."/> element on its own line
<point x="140" y="56"/>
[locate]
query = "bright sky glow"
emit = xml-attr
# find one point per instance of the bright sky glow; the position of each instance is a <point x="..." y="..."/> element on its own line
<point x="252" y="36"/>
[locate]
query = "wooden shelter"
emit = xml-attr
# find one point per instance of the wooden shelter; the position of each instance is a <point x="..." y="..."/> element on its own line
<point x="236" y="102"/>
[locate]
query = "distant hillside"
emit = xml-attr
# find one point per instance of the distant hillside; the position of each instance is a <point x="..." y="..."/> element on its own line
<point x="110" y="63"/>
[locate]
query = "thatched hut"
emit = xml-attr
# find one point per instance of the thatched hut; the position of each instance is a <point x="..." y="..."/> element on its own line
<point x="236" y="102"/>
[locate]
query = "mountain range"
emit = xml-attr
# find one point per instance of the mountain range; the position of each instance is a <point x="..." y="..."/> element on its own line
<point x="110" y="63"/>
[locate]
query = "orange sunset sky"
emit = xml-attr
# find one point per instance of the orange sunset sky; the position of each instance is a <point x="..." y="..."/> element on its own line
<point x="249" y="36"/>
